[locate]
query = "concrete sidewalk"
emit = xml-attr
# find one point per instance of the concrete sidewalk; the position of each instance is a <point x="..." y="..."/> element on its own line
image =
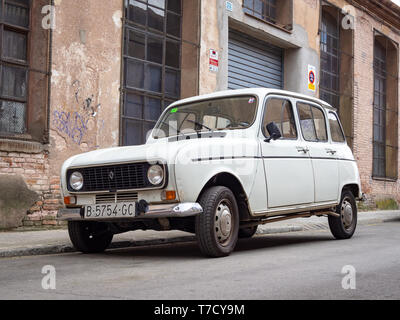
<point x="14" y="244"/>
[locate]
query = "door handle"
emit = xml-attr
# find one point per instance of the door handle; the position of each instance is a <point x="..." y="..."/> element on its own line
<point x="332" y="152"/>
<point x="302" y="149"/>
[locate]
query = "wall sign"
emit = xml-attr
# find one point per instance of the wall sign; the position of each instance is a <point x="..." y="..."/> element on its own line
<point x="214" y="61"/>
<point x="312" y="78"/>
<point x="229" y="6"/>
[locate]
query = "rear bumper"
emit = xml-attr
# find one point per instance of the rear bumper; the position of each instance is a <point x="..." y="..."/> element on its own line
<point x="175" y="210"/>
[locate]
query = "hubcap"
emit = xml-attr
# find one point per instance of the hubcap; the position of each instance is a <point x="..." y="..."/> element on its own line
<point x="347" y="213"/>
<point x="223" y="223"/>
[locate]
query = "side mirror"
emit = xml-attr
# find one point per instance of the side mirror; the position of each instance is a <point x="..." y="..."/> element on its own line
<point x="274" y="132"/>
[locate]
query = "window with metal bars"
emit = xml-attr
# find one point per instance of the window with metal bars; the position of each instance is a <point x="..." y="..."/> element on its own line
<point x="14" y="31"/>
<point x="330" y="60"/>
<point x="385" y="126"/>
<point x="152" y="64"/>
<point x="262" y="9"/>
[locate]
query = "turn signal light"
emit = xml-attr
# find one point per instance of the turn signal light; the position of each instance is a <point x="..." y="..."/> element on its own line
<point x="169" y="195"/>
<point x="69" y="200"/>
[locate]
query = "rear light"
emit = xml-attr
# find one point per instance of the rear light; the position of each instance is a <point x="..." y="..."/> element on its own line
<point x="69" y="200"/>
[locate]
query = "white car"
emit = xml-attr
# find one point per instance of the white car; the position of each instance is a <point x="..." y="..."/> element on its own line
<point x="218" y="166"/>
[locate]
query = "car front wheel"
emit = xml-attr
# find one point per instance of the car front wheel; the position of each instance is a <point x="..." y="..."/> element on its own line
<point x="89" y="237"/>
<point x="344" y="226"/>
<point x="218" y="226"/>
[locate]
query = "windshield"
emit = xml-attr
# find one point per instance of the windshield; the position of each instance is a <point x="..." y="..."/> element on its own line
<point x="218" y="114"/>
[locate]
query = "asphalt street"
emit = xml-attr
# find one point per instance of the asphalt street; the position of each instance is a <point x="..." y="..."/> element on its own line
<point x="302" y="265"/>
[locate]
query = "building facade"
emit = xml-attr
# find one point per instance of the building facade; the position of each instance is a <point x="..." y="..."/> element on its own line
<point x="80" y="75"/>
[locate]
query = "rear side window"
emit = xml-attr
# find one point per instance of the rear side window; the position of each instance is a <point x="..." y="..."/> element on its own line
<point x="280" y="111"/>
<point x="336" y="130"/>
<point x="312" y="121"/>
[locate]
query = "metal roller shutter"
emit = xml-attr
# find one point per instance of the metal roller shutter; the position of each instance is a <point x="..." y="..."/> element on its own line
<point x="253" y="63"/>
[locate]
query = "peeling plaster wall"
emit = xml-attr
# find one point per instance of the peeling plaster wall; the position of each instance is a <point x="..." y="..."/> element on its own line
<point x="85" y="101"/>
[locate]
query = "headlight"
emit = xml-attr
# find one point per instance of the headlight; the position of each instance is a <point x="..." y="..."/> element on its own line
<point x="155" y="174"/>
<point x="76" y="181"/>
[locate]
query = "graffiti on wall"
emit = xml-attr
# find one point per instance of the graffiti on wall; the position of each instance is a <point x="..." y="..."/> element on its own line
<point x="75" y="124"/>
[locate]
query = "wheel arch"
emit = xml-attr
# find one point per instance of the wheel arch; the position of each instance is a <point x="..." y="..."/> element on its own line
<point x="353" y="188"/>
<point x="231" y="182"/>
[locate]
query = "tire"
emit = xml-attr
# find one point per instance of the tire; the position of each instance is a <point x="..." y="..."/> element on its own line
<point x="246" y="233"/>
<point x="217" y="227"/>
<point x="89" y="237"/>
<point x="343" y="227"/>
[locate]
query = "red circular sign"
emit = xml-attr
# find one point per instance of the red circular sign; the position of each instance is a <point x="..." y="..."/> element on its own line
<point x="311" y="77"/>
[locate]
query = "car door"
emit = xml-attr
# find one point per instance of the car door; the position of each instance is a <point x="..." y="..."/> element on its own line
<point x="288" y="168"/>
<point x="323" y="154"/>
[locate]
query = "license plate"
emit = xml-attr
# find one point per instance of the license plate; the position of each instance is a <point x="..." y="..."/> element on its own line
<point x="111" y="211"/>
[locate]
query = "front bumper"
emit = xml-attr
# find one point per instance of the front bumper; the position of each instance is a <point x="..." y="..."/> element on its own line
<point x="175" y="210"/>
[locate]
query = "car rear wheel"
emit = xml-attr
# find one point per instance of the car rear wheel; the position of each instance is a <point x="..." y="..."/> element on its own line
<point x="218" y="226"/>
<point x="344" y="226"/>
<point x="89" y="237"/>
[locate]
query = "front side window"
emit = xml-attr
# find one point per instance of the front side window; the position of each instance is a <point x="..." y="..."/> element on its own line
<point x="152" y="64"/>
<point x="205" y="116"/>
<point x="312" y="122"/>
<point x="280" y="111"/>
<point x="14" y="30"/>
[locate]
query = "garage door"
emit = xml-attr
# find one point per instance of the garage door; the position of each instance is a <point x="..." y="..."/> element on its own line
<point x="254" y="63"/>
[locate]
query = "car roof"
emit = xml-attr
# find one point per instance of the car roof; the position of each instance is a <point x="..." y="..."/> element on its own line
<point x="250" y="91"/>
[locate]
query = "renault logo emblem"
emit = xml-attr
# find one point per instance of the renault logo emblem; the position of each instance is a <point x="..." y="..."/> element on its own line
<point x="111" y="175"/>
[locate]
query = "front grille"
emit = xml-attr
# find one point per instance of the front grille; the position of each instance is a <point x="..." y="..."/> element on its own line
<point x="113" y="178"/>
<point x="116" y="197"/>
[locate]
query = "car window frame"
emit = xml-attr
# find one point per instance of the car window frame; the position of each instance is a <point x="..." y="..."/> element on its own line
<point x="311" y="104"/>
<point x="263" y="129"/>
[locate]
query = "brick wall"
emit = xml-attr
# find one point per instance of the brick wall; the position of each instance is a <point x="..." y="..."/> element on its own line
<point x="35" y="170"/>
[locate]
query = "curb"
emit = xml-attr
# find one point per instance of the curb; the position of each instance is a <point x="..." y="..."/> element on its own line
<point x="58" y="249"/>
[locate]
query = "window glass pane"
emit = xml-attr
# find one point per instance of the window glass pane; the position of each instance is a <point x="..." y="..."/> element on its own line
<point x="156" y="18"/>
<point x="14" y="45"/>
<point x="155" y="50"/>
<point x="306" y="122"/>
<point x="172" y="82"/>
<point x="273" y="114"/>
<point x="174" y="25"/>
<point x="152" y="111"/>
<point x="17" y="13"/>
<point x="137" y="12"/>
<point x="13" y="82"/>
<point x="158" y="3"/>
<point x="175" y="6"/>
<point x="133" y="106"/>
<point x="153" y="78"/>
<point x="289" y="130"/>
<point x="134" y="74"/>
<point x="336" y="131"/>
<point x="173" y="54"/>
<point x="133" y="132"/>
<point x="280" y="111"/>
<point x="12" y="117"/>
<point x="136" y="45"/>
<point x="320" y="124"/>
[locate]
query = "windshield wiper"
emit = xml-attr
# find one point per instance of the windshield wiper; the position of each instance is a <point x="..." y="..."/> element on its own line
<point x="200" y="124"/>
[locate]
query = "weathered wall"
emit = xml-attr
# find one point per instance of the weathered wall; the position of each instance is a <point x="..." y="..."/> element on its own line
<point x="301" y="44"/>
